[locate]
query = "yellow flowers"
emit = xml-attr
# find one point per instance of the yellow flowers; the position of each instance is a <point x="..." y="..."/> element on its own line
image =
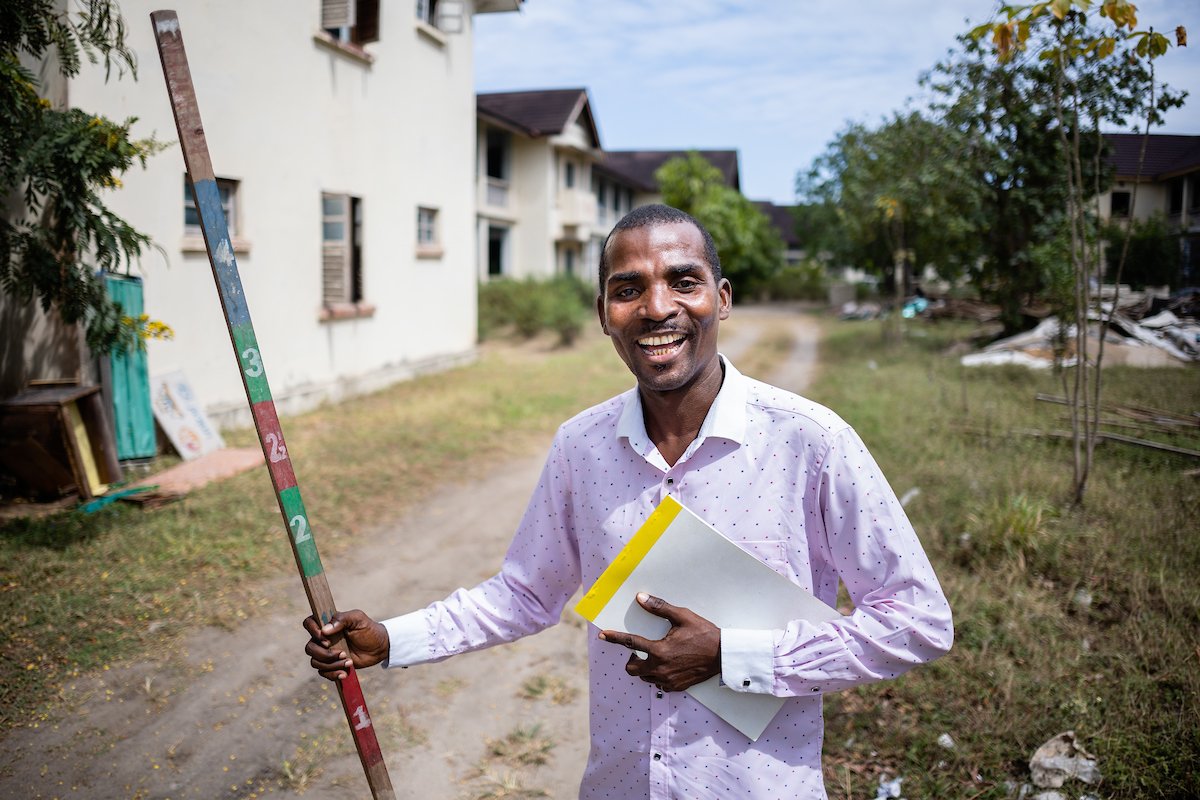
<point x="149" y="328"/>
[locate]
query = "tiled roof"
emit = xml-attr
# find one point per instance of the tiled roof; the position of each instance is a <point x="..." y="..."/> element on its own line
<point x="541" y="112"/>
<point x="784" y="220"/>
<point x="637" y="167"/>
<point x="1166" y="154"/>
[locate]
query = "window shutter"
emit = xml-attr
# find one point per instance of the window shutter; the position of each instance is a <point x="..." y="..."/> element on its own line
<point x="337" y="13"/>
<point x="450" y="16"/>
<point x="366" y="28"/>
<point x="335" y="249"/>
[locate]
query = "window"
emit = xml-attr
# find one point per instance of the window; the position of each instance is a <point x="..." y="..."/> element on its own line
<point x="569" y="174"/>
<point x="569" y="261"/>
<point x="353" y="22"/>
<point x="497" y="251"/>
<point x="1175" y="203"/>
<point x="427" y="233"/>
<point x="227" y="189"/>
<point x="497" y="154"/>
<point x="1120" y="204"/>
<point x="341" y="251"/>
<point x="445" y="15"/>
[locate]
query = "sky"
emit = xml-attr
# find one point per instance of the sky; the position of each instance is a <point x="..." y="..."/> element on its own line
<point x="775" y="79"/>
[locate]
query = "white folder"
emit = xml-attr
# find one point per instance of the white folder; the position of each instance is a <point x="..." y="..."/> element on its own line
<point x="679" y="557"/>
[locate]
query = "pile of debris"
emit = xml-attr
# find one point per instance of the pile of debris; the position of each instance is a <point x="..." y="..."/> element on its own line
<point x="1143" y="331"/>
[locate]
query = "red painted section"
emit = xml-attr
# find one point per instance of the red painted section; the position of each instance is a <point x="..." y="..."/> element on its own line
<point x="360" y="721"/>
<point x="279" y="461"/>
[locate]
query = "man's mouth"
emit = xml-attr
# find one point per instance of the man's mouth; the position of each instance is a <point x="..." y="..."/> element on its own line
<point x="661" y="344"/>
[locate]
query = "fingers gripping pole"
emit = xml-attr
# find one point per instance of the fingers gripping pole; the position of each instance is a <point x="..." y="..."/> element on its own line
<point x="254" y="378"/>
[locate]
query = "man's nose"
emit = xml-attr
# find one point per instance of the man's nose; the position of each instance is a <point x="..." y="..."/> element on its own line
<point x="659" y="303"/>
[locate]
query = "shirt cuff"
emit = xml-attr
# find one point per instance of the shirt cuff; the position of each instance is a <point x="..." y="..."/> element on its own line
<point x="408" y="638"/>
<point x="748" y="660"/>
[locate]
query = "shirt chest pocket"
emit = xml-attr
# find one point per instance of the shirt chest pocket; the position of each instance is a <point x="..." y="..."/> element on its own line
<point x="773" y="553"/>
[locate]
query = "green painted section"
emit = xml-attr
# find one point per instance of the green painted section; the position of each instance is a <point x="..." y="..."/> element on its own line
<point x="301" y="531"/>
<point x="133" y="415"/>
<point x="250" y="358"/>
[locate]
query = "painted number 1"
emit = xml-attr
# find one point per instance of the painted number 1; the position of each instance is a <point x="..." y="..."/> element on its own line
<point x="300" y="529"/>
<point x="364" y="721"/>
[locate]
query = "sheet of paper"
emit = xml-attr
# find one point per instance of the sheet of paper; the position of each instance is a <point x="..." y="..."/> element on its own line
<point x="677" y="556"/>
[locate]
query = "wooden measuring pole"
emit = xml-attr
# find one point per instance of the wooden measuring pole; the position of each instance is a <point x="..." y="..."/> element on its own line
<point x="254" y="378"/>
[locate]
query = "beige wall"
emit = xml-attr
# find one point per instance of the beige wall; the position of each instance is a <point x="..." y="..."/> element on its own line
<point x="289" y="118"/>
<point x="1151" y="199"/>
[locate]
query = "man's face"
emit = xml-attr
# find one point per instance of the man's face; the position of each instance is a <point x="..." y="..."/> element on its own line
<point x="660" y="304"/>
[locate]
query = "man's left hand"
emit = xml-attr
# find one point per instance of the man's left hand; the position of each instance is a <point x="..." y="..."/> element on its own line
<point x="688" y="654"/>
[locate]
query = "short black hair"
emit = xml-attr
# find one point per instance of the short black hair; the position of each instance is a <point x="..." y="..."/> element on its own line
<point x="659" y="214"/>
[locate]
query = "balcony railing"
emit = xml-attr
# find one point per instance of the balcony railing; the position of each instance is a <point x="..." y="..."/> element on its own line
<point x="576" y="207"/>
<point x="496" y="194"/>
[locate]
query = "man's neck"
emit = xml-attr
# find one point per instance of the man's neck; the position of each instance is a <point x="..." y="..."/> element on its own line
<point x="673" y="419"/>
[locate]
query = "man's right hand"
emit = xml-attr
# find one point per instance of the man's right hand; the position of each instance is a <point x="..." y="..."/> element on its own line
<point x="351" y="638"/>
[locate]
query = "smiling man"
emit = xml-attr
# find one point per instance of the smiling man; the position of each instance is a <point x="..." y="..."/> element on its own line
<point x="786" y="479"/>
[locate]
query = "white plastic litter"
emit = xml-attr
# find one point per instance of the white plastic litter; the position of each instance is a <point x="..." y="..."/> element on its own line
<point x="1062" y="758"/>
<point x="888" y="789"/>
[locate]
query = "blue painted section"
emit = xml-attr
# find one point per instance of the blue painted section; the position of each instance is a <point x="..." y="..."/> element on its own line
<point x="216" y="233"/>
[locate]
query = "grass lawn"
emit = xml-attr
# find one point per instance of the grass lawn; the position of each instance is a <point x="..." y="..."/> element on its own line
<point x="1086" y="620"/>
<point x="1066" y="619"/>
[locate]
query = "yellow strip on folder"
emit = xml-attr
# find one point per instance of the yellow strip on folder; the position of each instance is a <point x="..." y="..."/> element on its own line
<point x="631" y="555"/>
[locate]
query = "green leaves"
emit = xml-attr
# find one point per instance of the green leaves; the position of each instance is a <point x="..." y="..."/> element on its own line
<point x="750" y="248"/>
<point x="61" y="161"/>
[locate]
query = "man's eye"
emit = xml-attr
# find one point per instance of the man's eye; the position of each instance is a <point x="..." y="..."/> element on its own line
<point x="628" y="291"/>
<point x="687" y="283"/>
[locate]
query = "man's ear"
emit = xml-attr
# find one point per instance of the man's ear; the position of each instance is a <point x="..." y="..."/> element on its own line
<point x="725" y="297"/>
<point x="600" y="312"/>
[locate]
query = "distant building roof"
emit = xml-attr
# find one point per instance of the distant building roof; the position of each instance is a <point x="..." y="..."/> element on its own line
<point x="784" y="220"/>
<point x="1166" y="154"/>
<point x="540" y="112"/>
<point x="637" y="167"/>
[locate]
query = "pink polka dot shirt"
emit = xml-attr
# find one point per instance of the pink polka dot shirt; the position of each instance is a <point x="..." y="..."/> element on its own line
<point x="791" y="483"/>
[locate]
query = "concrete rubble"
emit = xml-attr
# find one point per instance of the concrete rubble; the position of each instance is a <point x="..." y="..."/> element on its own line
<point x="1168" y="337"/>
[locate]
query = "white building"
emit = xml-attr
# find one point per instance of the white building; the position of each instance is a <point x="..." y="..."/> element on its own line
<point x="342" y="133"/>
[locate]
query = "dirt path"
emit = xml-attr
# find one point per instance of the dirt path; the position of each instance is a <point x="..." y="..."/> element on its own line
<point x="243" y="716"/>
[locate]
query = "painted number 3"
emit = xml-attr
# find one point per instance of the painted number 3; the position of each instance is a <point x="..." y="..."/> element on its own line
<point x="277" y="448"/>
<point x="300" y="529"/>
<point x="254" y="360"/>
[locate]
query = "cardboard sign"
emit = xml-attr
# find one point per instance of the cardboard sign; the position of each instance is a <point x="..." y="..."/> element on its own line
<point x="181" y="418"/>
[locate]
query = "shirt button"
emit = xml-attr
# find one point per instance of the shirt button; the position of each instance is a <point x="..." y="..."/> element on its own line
<point x="658" y="756"/>
<point x="660" y="694"/>
<point x="670" y="481"/>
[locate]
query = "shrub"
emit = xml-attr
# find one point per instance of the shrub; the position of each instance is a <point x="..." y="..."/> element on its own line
<point x="798" y="282"/>
<point x="528" y="307"/>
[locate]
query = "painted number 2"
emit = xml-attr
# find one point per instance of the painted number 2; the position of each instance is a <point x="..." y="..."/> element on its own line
<point x="364" y="721"/>
<point x="254" y="360"/>
<point x="300" y="529"/>
<point x="277" y="447"/>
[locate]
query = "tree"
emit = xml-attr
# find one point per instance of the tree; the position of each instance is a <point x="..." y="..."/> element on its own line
<point x="895" y="199"/>
<point x="1101" y="70"/>
<point x="750" y="247"/>
<point x="55" y="165"/>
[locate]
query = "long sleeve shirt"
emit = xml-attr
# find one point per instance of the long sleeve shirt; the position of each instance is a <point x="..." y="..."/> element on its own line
<point x="791" y="483"/>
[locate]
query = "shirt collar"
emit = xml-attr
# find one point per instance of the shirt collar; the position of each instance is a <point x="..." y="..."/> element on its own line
<point x="726" y="417"/>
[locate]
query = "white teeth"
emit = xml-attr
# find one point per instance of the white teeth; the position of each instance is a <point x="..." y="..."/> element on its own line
<point x="658" y="341"/>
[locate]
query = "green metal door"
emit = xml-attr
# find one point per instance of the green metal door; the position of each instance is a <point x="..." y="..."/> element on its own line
<point x="133" y="416"/>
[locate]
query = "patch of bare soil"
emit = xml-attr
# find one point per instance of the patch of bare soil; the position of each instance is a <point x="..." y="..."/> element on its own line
<point x="236" y="712"/>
